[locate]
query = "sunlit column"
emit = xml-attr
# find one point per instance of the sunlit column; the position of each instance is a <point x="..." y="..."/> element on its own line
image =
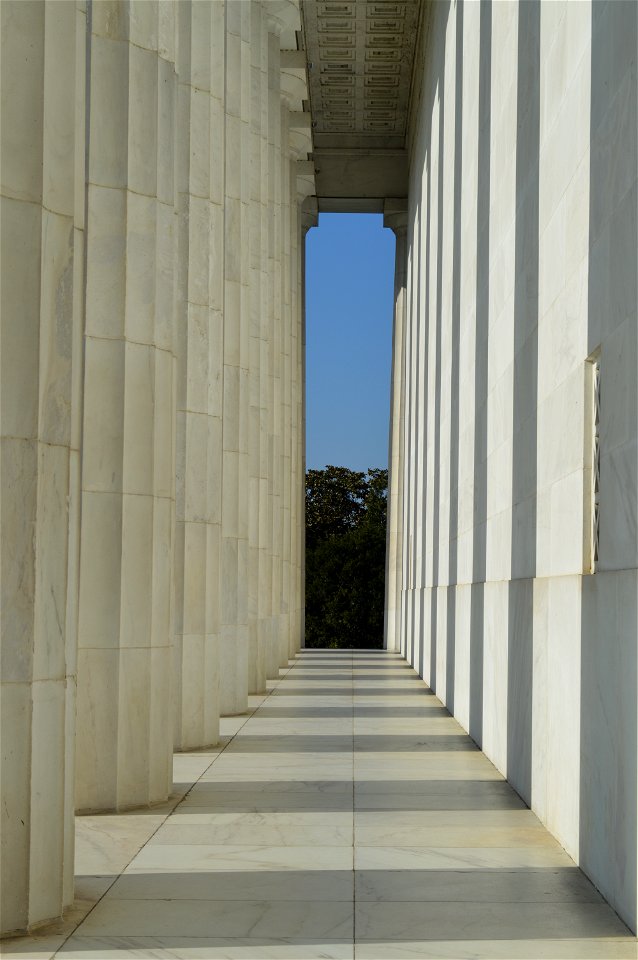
<point x="234" y="559"/>
<point x="43" y="78"/>
<point x="257" y="639"/>
<point x="404" y="538"/>
<point x="199" y="144"/>
<point x="301" y="186"/>
<point x="294" y="629"/>
<point x="268" y="75"/>
<point x="274" y="154"/>
<point x="285" y="384"/>
<point x="396" y="220"/>
<point x="309" y="219"/>
<point x="125" y="738"/>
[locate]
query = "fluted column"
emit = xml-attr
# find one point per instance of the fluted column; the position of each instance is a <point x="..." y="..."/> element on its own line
<point x="308" y="220"/>
<point x="295" y="474"/>
<point x="284" y="397"/>
<point x="397" y="221"/>
<point x="404" y="543"/>
<point x="42" y="306"/>
<point x="234" y="559"/>
<point x="258" y="372"/>
<point x="124" y="740"/>
<point x="301" y="185"/>
<point x="200" y="157"/>
<point x="264" y="589"/>
<point x="274" y="152"/>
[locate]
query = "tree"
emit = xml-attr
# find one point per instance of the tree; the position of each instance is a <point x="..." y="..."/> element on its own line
<point x="345" y="557"/>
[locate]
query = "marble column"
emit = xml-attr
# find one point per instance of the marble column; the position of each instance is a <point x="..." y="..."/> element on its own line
<point x="269" y="47"/>
<point x="284" y="396"/>
<point x="42" y="309"/>
<point x="257" y="359"/>
<point x="199" y="200"/>
<point x="295" y="520"/>
<point x="406" y="448"/>
<point x="124" y="731"/>
<point x="309" y="219"/>
<point x="397" y="221"/>
<point x="301" y="185"/>
<point x="234" y="556"/>
<point x="274" y="159"/>
<point x="295" y="143"/>
<point x="301" y="490"/>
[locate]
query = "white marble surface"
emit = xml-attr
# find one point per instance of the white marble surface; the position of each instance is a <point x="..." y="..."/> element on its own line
<point x="516" y="277"/>
<point x="43" y="69"/>
<point x="285" y="866"/>
<point x="208" y="948"/>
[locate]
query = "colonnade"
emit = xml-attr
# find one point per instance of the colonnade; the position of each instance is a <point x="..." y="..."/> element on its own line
<point x="153" y="169"/>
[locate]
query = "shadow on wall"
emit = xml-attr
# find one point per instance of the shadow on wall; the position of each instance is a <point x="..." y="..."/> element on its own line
<point x="453" y="529"/>
<point x="520" y="633"/>
<point x="609" y="606"/>
<point x="477" y="599"/>
<point x="434" y="594"/>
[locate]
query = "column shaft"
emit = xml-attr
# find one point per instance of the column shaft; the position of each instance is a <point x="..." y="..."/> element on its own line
<point x="258" y="188"/>
<point x="42" y="309"/>
<point x="393" y="555"/>
<point x="124" y="741"/>
<point x="199" y="142"/>
<point x="234" y="560"/>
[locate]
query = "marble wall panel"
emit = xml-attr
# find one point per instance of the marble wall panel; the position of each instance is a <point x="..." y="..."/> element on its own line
<point x="516" y="635"/>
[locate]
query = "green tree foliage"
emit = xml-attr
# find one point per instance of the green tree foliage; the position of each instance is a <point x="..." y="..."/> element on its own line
<point x="345" y="557"/>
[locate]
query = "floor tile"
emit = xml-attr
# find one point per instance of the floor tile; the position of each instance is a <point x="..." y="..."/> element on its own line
<point x="490" y="885"/>
<point x="294" y="919"/>
<point x="485" y="921"/>
<point x="289" y="818"/>
<point x="215" y="857"/>
<point x="402" y="835"/>
<point x="275" y="884"/>
<point x="105" y="844"/>
<point x="253" y="856"/>
<point x="459" y="858"/>
<point x="284" y="835"/>
<point x="500" y="949"/>
<point x="204" y="948"/>
<point x="31" y="948"/>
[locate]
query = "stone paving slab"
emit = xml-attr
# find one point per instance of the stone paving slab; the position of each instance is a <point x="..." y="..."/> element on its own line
<point x="347" y="816"/>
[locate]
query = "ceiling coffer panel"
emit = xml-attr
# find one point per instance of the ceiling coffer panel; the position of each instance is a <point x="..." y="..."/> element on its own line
<point x="360" y="55"/>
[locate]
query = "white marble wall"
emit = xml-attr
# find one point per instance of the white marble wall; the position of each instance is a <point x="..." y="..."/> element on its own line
<point x="152" y="406"/>
<point x="522" y="260"/>
<point x="43" y="74"/>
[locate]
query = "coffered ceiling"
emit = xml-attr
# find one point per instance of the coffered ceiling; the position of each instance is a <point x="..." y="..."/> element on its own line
<point x="360" y="59"/>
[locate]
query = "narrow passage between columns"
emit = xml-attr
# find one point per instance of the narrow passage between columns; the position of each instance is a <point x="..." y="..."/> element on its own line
<point x="348" y="815"/>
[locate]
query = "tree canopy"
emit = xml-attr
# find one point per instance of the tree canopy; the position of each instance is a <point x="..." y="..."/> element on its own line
<point x="345" y="557"/>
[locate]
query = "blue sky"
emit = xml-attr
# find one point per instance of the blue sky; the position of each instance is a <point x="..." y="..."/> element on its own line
<point x="349" y="306"/>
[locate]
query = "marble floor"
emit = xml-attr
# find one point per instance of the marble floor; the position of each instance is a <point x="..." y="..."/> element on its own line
<point x="347" y="816"/>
